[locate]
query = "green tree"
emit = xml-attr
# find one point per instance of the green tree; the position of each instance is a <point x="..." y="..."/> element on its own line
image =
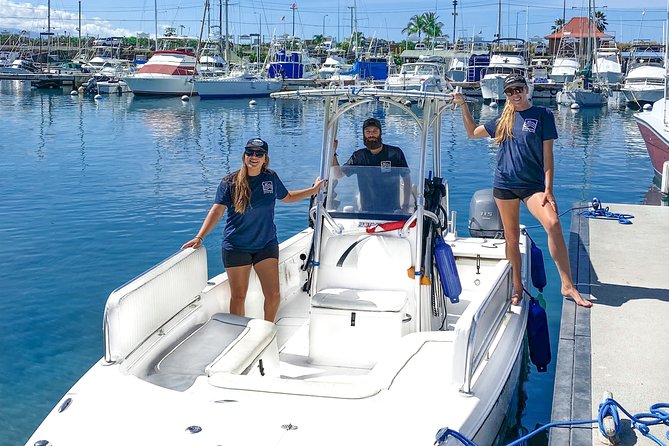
<point x="600" y="21"/>
<point x="318" y="39"/>
<point x="415" y="26"/>
<point x="432" y="25"/>
<point x="559" y="23"/>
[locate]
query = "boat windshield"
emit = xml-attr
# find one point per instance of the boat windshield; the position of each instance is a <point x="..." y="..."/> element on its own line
<point x="371" y="192"/>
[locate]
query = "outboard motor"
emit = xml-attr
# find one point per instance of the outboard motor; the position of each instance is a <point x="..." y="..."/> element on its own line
<point x="484" y="219"/>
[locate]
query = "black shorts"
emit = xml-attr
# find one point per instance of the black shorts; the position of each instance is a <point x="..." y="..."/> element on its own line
<point x="513" y="194"/>
<point x="240" y="258"/>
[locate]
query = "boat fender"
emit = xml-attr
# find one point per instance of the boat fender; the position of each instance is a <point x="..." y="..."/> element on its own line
<point x="538" y="336"/>
<point x="553" y="92"/>
<point x="538" y="271"/>
<point x="448" y="272"/>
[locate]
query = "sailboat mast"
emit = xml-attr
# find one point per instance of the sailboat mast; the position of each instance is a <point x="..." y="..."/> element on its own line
<point x="589" y="46"/>
<point x="155" y="20"/>
<point x="227" y="56"/>
<point x="499" y="19"/>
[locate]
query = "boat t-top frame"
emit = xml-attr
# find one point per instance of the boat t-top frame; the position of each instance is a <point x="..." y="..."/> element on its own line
<point x="342" y="100"/>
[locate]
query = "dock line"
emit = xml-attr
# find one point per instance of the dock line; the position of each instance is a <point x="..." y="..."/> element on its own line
<point x="658" y="414"/>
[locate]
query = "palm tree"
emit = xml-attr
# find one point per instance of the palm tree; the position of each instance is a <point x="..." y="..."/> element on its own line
<point x="559" y="23"/>
<point x="318" y="39"/>
<point x="432" y="24"/>
<point x="600" y="21"/>
<point x="415" y="26"/>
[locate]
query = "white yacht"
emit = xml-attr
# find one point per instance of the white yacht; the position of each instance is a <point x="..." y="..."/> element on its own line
<point x="371" y="345"/>
<point x="644" y="82"/>
<point x="508" y="56"/>
<point x="608" y="64"/>
<point x="566" y="63"/>
<point x="420" y="76"/>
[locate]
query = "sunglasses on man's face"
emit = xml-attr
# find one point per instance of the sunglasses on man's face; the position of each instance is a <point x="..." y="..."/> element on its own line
<point x="512" y="91"/>
<point x="255" y="153"/>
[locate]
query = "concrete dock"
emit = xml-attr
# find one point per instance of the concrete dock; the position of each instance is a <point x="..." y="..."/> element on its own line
<point x="620" y="345"/>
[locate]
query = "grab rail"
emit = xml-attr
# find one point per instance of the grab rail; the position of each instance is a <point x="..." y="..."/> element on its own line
<point x="474" y="358"/>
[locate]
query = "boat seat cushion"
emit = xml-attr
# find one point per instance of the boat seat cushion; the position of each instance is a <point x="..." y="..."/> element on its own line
<point x="226" y="342"/>
<point x="360" y="300"/>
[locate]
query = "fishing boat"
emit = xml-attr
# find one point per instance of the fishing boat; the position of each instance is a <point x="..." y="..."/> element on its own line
<point x="508" y="56"/>
<point x="391" y="325"/>
<point x="421" y="76"/>
<point x="167" y="73"/>
<point x="608" y="63"/>
<point x="644" y="81"/>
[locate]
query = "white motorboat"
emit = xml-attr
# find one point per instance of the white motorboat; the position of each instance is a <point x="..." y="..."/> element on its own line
<point x="366" y="348"/>
<point x="419" y="76"/>
<point x="237" y="84"/>
<point x="644" y="85"/>
<point x="332" y="67"/>
<point x="508" y="56"/>
<point x="564" y="69"/>
<point x="654" y="127"/>
<point x="168" y="72"/>
<point x="20" y="66"/>
<point x="644" y="81"/>
<point x="608" y="64"/>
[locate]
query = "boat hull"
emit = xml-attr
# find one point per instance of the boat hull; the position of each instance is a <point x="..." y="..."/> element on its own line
<point x="160" y="85"/>
<point x="642" y="95"/>
<point x="655" y="134"/>
<point x="235" y="88"/>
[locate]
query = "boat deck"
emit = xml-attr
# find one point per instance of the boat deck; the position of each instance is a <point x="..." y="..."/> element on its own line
<point x="619" y="344"/>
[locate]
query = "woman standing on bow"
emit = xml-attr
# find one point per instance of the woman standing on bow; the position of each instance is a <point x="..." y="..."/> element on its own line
<point x="524" y="172"/>
<point x="249" y="239"/>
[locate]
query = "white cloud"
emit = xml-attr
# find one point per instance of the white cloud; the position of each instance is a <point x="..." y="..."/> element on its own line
<point x="33" y="18"/>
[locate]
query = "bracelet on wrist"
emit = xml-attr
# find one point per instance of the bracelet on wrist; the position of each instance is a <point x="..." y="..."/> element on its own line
<point x="201" y="239"/>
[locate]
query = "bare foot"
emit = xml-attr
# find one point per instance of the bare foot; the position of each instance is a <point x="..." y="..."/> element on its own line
<point x="573" y="294"/>
<point x="516" y="298"/>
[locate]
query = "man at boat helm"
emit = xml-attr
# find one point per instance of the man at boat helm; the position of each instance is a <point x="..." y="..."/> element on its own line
<point x="375" y="189"/>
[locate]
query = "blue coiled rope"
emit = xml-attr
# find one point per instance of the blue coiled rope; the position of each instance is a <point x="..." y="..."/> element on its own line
<point x="600" y="212"/>
<point x="642" y="422"/>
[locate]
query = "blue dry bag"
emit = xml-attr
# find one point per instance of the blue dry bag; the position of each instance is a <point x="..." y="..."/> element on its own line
<point x="537" y="335"/>
<point x="538" y="271"/>
<point x="448" y="273"/>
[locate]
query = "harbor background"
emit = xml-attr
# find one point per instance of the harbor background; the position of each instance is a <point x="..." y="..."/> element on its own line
<point x="96" y="192"/>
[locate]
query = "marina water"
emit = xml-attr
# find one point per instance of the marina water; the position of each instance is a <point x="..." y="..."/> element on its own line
<point x="97" y="191"/>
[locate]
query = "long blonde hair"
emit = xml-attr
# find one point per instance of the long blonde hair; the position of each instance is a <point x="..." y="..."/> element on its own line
<point x="505" y="123"/>
<point x="241" y="192"/>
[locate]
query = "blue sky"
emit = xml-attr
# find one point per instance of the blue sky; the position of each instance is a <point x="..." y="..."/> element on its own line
<point x="382" y="18"/>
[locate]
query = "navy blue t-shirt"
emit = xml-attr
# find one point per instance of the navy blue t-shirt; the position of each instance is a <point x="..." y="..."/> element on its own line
<point x="375" y="189"/>
<point x="520" y="160"/>
<point x="254" y="229"/>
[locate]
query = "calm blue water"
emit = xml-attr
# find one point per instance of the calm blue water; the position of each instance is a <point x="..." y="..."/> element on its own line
<point x="95" y="192"/>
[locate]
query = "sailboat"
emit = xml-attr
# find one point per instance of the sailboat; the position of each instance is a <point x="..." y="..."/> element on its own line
<point x="583" y="91"/>
<point x="238" y="83"/>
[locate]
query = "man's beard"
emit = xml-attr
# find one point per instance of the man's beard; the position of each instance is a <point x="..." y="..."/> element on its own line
<point x="372" y="143"/>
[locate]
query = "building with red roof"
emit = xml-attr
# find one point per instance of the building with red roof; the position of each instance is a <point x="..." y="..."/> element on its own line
<point x="576" y="28"/>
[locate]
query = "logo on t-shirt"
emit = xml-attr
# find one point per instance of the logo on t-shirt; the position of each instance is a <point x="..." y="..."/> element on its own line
<point x="267" y="187"/>
<point x="530" y="125"/>
<point x="385" y="166"/>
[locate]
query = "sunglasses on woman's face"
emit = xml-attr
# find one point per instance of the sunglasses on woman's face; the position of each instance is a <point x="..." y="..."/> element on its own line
<point x="512" y="91"/>
<point x="255" y="153"/>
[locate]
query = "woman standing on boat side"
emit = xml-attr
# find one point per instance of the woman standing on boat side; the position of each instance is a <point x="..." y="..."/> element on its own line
<point x="524" y="172"/>
<point x="249" y="239"/>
